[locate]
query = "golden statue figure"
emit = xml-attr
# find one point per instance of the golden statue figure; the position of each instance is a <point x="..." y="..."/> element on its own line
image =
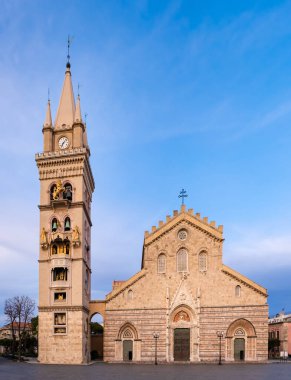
<point x="57" y="190"/>
<point x="43" y="236"/>
<point x="76" y="234"/>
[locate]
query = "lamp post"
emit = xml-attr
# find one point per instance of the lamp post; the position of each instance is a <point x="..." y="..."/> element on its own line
<point x="219" y="335"/>
<point x="156" y="337"/>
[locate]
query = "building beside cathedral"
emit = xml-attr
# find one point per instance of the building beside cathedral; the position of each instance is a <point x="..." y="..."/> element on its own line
<point x="183" y="305"/>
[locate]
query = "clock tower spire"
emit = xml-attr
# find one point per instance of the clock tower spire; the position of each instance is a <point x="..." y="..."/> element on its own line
<point x="66" y="188"/>
<point x="66" y="109"/>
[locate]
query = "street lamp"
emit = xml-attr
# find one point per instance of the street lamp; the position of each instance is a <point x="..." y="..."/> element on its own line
<point x="220" y="336"/>
<point x="156" y="337"/>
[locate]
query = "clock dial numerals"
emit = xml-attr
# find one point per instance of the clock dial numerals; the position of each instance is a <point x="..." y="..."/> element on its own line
<point x="63" y="142"/>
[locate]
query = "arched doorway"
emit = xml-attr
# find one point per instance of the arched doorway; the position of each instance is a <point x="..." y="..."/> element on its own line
<point x="241" y="341"/>
<point x="127" y="344"/>
<point x="127" y="337"/>
<point x="96" y="336"/>
<point x="182" y="335"/>
<point x="127" y="350"/>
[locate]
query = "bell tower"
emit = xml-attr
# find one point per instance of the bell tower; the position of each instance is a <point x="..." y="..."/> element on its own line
<point x="66" y="187"/>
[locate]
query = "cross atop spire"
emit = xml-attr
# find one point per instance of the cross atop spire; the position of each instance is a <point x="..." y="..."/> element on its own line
<point x="183" y="194"/>
<point x="66" y="109"/>
<point x="68" y="55"/>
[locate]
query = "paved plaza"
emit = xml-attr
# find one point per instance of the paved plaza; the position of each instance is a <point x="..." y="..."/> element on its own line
<point x="10" y="370"/>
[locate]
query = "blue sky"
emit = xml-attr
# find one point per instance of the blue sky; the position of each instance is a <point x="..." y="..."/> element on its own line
<point x="193" y="94"/>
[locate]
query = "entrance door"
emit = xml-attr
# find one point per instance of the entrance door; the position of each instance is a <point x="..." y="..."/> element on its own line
<point x="239" y="349"/>
<point x="182" y="344"/>
<point x="127" y="350"/>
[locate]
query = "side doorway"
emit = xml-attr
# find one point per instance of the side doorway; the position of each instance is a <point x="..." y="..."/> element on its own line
<point x="239" y="349"/>
<point x="127" y="350"/>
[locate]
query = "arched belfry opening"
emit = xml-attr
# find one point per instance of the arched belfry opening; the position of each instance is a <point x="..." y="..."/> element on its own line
<point x="96" y="336"/>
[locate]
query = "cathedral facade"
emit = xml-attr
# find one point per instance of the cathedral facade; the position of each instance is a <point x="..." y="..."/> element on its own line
<point x="184" y="305"/>
<point x="185" y="301"/>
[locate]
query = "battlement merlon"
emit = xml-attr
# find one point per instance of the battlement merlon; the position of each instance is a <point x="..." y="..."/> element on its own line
<point x="202" y="223"/>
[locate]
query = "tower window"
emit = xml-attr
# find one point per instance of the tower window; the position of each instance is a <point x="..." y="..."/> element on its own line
<point x="60" y="322"/>
<point x="67" y="224"/>
<point x="60" y="274"/>
<point x="60" y="246"/>
<point x="66" y="246"/>
<point x="54" y="224"/>
<point x="54" y="249"/>
<point x="60" y="296"/>
<point x="182" y="260"/>
<point x="68" y="193"/>
<point x="162" y="263"/>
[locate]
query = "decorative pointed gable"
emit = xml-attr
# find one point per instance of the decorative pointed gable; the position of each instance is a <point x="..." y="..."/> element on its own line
<point x="48" y="116"/>
<point x="183" y="296"/>
<point x="66" y="109"/>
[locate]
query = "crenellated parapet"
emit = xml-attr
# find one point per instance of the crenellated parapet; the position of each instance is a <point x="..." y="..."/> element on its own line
<point x="60" y="153"/>
<point x="188" y="216"/>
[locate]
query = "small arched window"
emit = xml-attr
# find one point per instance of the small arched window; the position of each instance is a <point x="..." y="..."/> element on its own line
<point x="67" y="224"/>
<point x="130" y="295"/>
<point x="68" y="192"/>
<point x="182" y="260"/>
<point x="60" y="274"/>
<point x="162" y="263"/>
<point x="237" y="291"/>
<point x="54" y="224"/>
<point x="66" y="246"/>
<point x="202" y="261"/>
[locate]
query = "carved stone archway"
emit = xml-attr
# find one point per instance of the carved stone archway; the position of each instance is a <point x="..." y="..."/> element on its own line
<point x="241" y="333"/>
<point x="127" y="344"/>
<point x="183" y="332"/>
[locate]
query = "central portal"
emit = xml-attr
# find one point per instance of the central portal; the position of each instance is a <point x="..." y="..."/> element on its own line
<point x="182" y="344"/>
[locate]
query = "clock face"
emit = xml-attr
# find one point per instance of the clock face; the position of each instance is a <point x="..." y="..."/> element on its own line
<point x="63" y="142"/>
